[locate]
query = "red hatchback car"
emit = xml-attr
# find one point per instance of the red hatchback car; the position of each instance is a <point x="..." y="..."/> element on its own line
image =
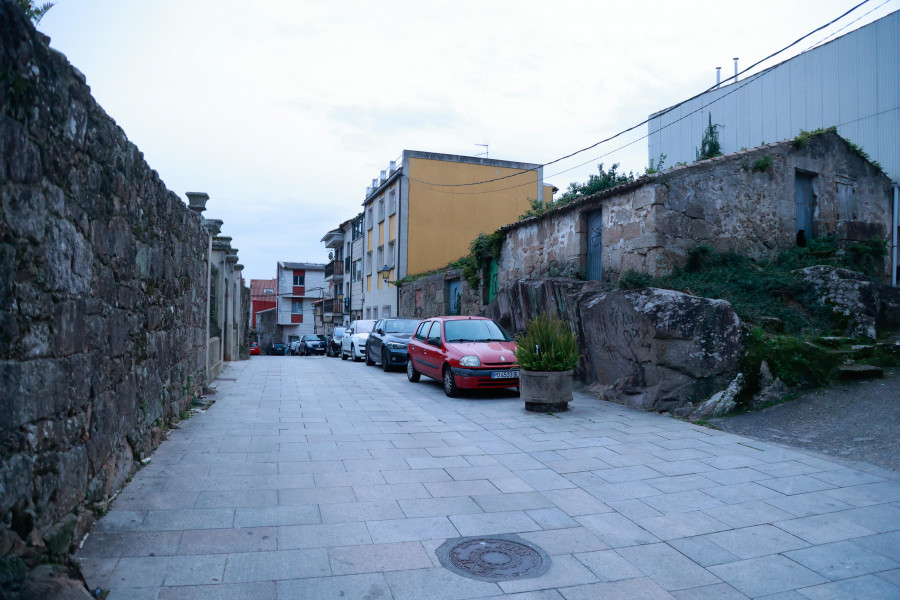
<point x="254" y="348"/>
<point x="463" y="352"/>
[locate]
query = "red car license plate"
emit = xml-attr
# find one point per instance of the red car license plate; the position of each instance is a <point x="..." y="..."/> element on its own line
<point x="504" y="374"/>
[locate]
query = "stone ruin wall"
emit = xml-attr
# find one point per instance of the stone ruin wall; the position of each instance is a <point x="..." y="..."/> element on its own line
<point x="103" y="299"/>
<point x="725" y="203"/>
<point x="429" y="296"/>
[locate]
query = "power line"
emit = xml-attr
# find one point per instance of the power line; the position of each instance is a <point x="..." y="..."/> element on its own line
<point x="643" y="137"/>
<point x="646" y="121"/>
<point x="834" y="33"/>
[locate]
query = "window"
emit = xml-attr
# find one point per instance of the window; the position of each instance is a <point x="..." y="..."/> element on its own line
<point x="391" y="262"/>
<point x="392" y="202"/>
<point x="358" y="228"/>
<point x="296" y="306"/>
<point x="423" y="327"/>
<point x="381" y="210"/>
<point x="268" y="290"/>
<point x="357" y="270"/>
<point x="434" y="336"/>
<point x="385" y="312"/>
<point x="380" y="262"/>
<point x="368" y="313"/>
<point x="369" y="262"/>
<point x="298" y="279"/>
<point x="374" y="312"/>
<point x="369" y="221"/>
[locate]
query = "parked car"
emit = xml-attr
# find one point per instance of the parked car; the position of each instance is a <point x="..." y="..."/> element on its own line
<point x="463" y="352"/>
<point x="277" y="349"/>
<point x="312" y="343"/>
<point x="334" y="342"/>
<point x="386" y="345"/>
<point x="353" y="344"/>
<point x="254" y="348"/>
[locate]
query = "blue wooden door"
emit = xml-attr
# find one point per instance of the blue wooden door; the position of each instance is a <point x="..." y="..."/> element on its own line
<point x="595" y="246"/>
<point x="453" y="290"/>
<point x="805" y="201"/>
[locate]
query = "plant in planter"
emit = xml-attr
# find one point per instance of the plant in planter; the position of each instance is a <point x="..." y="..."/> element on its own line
<point x="547" y="354"/>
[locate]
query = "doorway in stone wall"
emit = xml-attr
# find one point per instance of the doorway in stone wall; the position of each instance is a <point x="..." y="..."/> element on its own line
<point x="594" y="246"/>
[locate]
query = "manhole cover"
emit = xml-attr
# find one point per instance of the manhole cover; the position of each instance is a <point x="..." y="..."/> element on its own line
<point x="495" y="558"/>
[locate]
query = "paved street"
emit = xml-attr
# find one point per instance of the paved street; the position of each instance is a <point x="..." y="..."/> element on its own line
<point x="317" y="478"/>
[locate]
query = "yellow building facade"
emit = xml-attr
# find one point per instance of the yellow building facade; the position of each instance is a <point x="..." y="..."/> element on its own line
<point x="425" y="210"/>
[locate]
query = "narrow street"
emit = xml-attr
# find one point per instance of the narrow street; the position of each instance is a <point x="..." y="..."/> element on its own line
<point x="318" y="478"/>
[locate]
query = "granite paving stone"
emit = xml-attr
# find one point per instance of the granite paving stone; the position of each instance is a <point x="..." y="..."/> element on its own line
<point x="667" y="567"/>
<point x="345" y="587"/>
<point x="842" y="560"/>
<point x="766" y="575"/>
<point x="292" y="487"/>
<point x="760" y="540"/>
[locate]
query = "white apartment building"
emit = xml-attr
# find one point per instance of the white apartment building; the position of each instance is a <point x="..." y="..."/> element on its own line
<point x="299" y="285"/>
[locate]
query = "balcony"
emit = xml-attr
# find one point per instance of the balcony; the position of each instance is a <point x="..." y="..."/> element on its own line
<point x="334" y="306"/>
<point x="334" y="270"/>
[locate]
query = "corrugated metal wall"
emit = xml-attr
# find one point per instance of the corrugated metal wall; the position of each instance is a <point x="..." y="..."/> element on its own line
<point x="852" y="82"/>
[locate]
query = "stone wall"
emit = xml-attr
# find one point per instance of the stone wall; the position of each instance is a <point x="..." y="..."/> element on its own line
<point x="429" y="296"/>
<point x="103" y="299"/>
<point x="744" y="202"/>
<point x="266" y="329"/>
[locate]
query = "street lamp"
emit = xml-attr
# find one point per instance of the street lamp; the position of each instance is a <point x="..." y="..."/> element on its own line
<point x="385" y="275"/>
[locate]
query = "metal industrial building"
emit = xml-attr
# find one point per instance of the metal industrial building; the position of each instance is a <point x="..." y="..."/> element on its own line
<point x="852" y="83"/>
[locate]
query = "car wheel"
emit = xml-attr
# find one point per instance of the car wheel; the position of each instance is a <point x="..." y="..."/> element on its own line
<point x="369" y="360"/>
<point x="343" y="356"/>
<point x="385" y="361"/>
<point x="411" y="372"/>
<point x="450" y="383"/>
<point x="353" y="354"/>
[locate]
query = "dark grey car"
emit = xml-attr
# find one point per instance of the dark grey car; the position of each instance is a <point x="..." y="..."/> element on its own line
<point x="387" y="344"/>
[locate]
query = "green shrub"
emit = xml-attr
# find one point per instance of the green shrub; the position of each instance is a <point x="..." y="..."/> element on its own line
<point x="632" y="280"/>
<point x="547" y="345"/>
<point x="763" y="164"/>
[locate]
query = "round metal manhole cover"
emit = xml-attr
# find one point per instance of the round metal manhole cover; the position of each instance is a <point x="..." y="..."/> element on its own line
<point x="495" y="558"/>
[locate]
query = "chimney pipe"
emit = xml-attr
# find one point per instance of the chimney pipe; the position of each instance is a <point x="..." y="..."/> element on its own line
<point x="735" y="68"/>
<point x="374" y="183"/>
<point x="718" y="76"/>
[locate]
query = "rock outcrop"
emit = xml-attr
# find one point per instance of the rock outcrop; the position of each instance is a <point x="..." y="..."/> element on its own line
<point x="866" y="305"/>
<point x="649" y="348"/>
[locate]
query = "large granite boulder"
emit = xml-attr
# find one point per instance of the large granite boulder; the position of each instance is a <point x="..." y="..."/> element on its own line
<point x="659" y="349"/>
<point x="649" y="348"/>
<point x="864" y="304"/>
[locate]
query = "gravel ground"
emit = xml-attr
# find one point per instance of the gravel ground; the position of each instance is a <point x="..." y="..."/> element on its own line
<point x="857" y="421"/>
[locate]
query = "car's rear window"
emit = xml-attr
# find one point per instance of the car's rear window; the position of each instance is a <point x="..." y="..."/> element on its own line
<point x="475" y="330"/>
<point x="400" y="326"/>
<point x="365" y="326"/>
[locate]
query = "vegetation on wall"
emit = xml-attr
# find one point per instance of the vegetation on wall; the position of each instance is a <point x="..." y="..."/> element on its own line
<point x="482" y="250"/>
<point x="33" y="11"/>
<point x="709" y="143"/>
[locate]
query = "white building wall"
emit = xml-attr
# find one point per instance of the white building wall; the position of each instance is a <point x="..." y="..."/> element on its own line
<point x="852" y="82"/>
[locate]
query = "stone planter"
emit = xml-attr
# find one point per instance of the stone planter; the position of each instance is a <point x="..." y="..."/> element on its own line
<point x="546" y="391"/>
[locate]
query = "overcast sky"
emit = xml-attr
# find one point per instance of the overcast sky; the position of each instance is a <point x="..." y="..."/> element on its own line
<point x="284" y="111"/>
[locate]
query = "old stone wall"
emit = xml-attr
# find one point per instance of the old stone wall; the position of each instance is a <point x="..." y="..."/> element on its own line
<point x="744" y="202"/>
<point x="430" y="296"/>
<point x="103" y="299"/>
